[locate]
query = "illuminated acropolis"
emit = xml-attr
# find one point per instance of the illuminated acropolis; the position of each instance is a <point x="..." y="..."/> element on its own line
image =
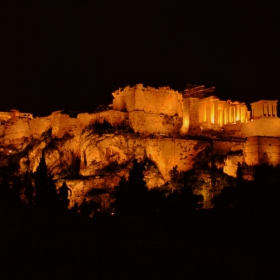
<point x="199" y="111"/>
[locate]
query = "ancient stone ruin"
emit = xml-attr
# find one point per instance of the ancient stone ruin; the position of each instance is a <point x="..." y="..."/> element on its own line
<point x="198" y="109"/>
<point x="167" y="127"/>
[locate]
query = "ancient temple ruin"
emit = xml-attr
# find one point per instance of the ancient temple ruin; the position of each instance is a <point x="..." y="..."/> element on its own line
<point x="198" y="109"/>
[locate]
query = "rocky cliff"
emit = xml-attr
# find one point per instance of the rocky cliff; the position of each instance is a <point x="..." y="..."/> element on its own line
<point x="92" y="152"/>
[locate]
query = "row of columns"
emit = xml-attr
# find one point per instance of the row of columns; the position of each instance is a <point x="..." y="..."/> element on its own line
<point x="215" y="111"/>
<point x="269" y="110"/>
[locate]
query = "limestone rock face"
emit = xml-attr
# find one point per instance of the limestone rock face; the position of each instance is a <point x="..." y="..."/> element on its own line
<point x="92" y="152"/>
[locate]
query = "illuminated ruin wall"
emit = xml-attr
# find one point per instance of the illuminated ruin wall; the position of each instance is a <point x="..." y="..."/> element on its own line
<point x="258" y="150"/>
<point x="58" y="123"/>
<point x="148" y="99"/>
<point x="146" y="123"/>
<point x="252" y="151"/>
<point x="261" y="127"/>
<point x="198" y="111"/>
<point x="190" y="116"/>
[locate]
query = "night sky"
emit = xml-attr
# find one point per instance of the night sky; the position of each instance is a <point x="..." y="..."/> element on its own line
<point x="74" y="54"/>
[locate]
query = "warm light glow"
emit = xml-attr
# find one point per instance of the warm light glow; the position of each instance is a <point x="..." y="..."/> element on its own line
<point x="212" y="115"/>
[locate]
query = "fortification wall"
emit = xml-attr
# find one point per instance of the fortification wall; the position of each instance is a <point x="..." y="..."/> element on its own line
<point x="63" y="124"/>
<point x="16" y="129"/>
<point x="269" y="150"/>
<point x="258" y="150"/>
<point x="251" y="150"/>
<point x="129" y="100"/>
<point x="118" y="103"/>
<point x="261" y="127"/>
<point x="157" y="101"/>
<point x="191" y="116"/>
<point x="154" y="123"/>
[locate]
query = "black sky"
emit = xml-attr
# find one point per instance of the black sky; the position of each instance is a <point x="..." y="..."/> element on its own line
<point x="73" y="54"/>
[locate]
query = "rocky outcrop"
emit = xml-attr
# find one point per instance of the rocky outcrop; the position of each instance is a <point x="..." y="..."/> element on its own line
<point x="94" y="151"/>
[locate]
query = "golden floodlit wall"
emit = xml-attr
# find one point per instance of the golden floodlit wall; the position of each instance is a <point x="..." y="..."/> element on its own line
<point x="254" y="151"/>
<point x="199" y="111"/>
<point x="150" y="100"/>
<point x="258" y="150"/>
<point x="158" y="101"/>
<point x="190" y="116"/>
<point x="261" y="127"/>
<point x="154" y="123"/>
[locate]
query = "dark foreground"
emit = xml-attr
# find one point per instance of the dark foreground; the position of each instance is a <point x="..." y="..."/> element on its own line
<point x="206" y="245"/>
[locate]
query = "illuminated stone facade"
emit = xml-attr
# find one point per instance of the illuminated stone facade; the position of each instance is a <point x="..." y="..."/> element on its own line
<point x="198" y="107"/>
<point x="148" y="99"/>
<point x="201" y="108"/>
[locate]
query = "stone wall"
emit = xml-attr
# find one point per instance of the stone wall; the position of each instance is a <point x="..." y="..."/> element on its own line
<point x="261" y="127"/>
<point x="191" y="116"/>
<point x="16" y="129"/>
<point x="154" y="123"/>
<point x="157" y="101"/>
<point x="258" y="150"/>
<point x="255" y="150"/>
<point x="150" y="100"/>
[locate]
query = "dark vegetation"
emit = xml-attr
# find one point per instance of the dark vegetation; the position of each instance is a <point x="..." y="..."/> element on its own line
<point x="105" y="127"/>
<point x="154" y="234"/>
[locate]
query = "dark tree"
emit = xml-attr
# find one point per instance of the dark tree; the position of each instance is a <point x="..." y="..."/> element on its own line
<point x="5" y="191"/>
<point x="46" y="195"/>
<point x="132" y="195"/>
<point x="63" y="195"/>
<point x="10" y="188"/>
<point x="192" y="201"/>
<point x="16" y="189"/>
<point x="88" y="208"/>
<point x="29" y="188"/>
